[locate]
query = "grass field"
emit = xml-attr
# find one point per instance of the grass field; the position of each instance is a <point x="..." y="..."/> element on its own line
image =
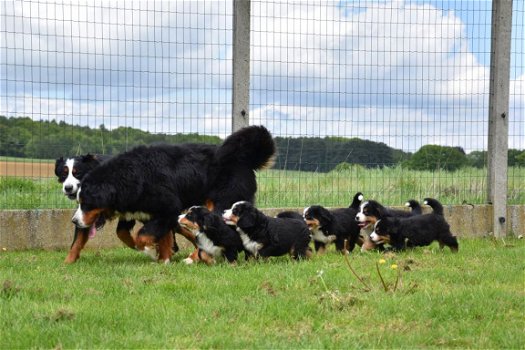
<point x="119" y="299"/>
<point x="280" y="189"/>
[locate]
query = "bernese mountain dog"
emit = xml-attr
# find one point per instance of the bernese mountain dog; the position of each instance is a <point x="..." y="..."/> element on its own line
<point x="415" y="231"/>
<point x="372" y="211"/>
<point x="264" y="236"/>
<point x="214" y="238"/>
<point x="337" y="225"/>
<point x="153" y="184"/>
<point x="70" y="173"/>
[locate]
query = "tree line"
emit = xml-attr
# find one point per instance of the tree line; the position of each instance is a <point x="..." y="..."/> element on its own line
<point x="25" y="138"/>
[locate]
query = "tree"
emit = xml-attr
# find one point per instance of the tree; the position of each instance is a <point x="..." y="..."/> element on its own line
<point x="434" y="157"/>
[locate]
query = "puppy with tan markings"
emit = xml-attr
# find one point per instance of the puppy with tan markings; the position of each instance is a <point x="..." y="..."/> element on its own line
<point x="266" y="236"/>
<point x="213" y="237"/>
<point x="336" y="225"/>
<point x="416" y="231"/>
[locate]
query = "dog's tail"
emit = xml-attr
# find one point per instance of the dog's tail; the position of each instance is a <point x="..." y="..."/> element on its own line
<point x="356" y="202"/>
<point x="252" y="146"/>
<point x="435" y="205"/>
<point x="415" y="207"/>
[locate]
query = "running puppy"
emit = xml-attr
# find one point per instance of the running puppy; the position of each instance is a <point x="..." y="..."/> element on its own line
<point x="416" y="231"/>
<point x="212" y="235"/>
<point x="337" y="225"/>
<point x="265" y="236"/>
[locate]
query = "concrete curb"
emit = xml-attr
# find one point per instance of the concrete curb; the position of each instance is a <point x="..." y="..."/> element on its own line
<point x="52" y="228"/>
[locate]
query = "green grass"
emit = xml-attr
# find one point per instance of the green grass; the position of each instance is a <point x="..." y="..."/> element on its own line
<point x="25" y="160"/>
<point x="290" y="189"/>
<point x="119" y="299"/>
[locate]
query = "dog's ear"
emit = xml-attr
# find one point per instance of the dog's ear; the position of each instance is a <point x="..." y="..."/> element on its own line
<point x="59" y="165"/>
<point x="247" y="219"/>
<point x="326" y="217"/>
<point x="209" y="222"/>
<point x="89" y="158"/>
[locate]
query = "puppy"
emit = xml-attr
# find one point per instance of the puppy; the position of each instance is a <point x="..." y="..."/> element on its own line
<point x="416" y="231"/>
<point x="289" y="214"/>
<point x="265" y="236"/>
<point x="337" y="225"/>
<point x="372" y="211"/>
<point x="212" y="235"/>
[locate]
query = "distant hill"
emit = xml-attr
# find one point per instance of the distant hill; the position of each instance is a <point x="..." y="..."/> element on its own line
<point x="23" y="137"/>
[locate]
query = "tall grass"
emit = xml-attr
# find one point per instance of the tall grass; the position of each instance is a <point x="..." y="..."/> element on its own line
<point x="119" y="299"/>
<point x="392" y="186"/>
<point x="281" y="188"/>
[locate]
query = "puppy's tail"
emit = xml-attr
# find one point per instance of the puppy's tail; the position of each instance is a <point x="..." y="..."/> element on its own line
<point x="435" y="205"/>
<point x="356" y="202"/>
<point x="414" y="206"/>
<point x="252" y="146"/>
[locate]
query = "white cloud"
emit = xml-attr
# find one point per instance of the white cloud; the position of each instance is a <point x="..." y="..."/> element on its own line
<point x="396" y="72"/>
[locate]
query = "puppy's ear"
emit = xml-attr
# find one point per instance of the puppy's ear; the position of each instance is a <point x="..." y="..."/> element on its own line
<point x="59" y="164"/>
<point x="326" y="217"/>
<point x="88" y="158"/>
<point x="247" y="219"/>
<point x="209" y="222"/>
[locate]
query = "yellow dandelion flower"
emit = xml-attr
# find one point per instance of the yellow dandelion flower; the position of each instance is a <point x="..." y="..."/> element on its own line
<point x="382" y="261"/>
<point x="393" y="266"/>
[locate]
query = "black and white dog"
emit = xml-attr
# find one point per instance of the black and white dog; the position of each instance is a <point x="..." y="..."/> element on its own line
<point x="415" y="231"/>
<point x="212" y="235"/>
<point x="266" y="236"/>
<point x="371" y="211"/>
<point x="71" y="171"/>
<point x="337" y="225"/>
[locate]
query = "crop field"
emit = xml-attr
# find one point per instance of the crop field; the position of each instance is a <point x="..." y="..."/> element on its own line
<point x="118" y="298"/>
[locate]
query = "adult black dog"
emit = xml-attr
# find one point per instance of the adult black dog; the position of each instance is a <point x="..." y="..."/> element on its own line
<point x="70" y="173"/>
<point x="266" y="236"/>
<point x="153" y="184"/>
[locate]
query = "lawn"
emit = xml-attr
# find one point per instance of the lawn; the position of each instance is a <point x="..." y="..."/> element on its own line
<point x="117" y="298"/>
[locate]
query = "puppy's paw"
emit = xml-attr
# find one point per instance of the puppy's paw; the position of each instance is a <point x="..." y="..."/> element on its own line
<point x="330" y="238"/>
<point x="188" y="261"/>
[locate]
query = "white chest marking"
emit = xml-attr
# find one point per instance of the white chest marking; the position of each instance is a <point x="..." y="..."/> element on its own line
<point x="204" y="243"/>
<point x="251" y="246"/>
<point x="319" y="236"/>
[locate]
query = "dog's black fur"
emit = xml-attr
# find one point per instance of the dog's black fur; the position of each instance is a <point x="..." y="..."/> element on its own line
<point x="415" y="207"/>
<point x="210" y="227"/>
<point x="337" y="225"/>
<point x="289" y="214"/>
<point x="266" y="236"/>
<point x="416" y="231"/>
<point x="153" y="184"/>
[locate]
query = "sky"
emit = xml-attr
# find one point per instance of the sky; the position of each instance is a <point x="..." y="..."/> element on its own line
<point x="406" y="73"/>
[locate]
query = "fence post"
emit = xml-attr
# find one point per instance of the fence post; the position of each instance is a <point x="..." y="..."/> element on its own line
<point x="499" y="113"/>
<point x="241" y="64"/>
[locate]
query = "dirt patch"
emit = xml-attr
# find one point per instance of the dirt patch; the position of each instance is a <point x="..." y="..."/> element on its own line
<point x="27" y="169"/>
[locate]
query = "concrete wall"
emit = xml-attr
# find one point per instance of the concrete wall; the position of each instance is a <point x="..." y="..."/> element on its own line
<point x="52" y="229"/>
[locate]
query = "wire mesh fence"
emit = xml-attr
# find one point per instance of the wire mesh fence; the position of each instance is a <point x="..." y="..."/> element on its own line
<point x="387" y="98"/>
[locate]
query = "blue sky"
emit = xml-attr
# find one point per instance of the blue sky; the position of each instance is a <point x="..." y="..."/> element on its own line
<point x="406" y="73"/>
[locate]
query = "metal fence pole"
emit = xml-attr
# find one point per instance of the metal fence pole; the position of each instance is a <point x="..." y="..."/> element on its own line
<point x="499" y="113"/>
<point x="241" y="64"/>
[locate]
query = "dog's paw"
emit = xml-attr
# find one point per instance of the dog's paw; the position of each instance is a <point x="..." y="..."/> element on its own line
<point x="330" y="238"/>
<point x="151" y="252"/>
<point x="188" y="261"/>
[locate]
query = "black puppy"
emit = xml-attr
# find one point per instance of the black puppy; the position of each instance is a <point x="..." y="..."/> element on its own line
<point x="212" y="236"/>
<point x="371" y="211"/>
<point x="416" y="231"/>
<point x="337" y="225"/>
<point x="265" y="236"/>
